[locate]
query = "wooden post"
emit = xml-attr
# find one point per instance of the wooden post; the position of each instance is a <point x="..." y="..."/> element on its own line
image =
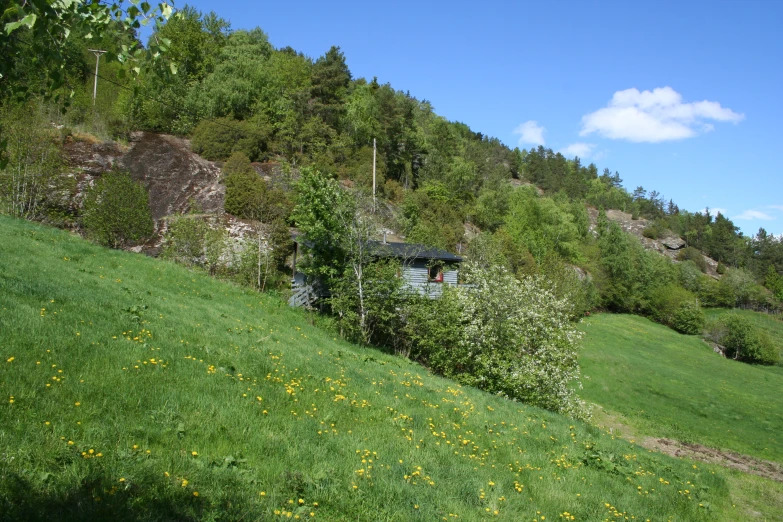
<point x="293" y="263"/>
<point x="373" y="174"/>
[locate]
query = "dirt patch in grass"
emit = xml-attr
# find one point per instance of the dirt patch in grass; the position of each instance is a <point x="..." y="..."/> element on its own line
<point x="615" y="425"/>
<point x="728" y="459"/>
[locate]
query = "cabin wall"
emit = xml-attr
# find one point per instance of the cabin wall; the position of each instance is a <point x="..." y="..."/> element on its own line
<point x="416" y="275"/>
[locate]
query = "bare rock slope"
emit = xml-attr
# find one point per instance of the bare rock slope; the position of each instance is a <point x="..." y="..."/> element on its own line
<point x="177" y="179"/>
<point x="669" y="245"/>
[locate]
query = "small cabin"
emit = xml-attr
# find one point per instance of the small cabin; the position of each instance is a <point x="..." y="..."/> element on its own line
<point x="425" y="270"/>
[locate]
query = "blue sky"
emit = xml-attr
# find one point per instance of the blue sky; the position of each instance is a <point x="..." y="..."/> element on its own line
<point x="680" y="97"/>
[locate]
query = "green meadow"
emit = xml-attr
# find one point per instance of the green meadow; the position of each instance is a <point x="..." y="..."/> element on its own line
<point x="133" y="389"/>
<point x="650" y="381"/>
<point x="672" y="385"/>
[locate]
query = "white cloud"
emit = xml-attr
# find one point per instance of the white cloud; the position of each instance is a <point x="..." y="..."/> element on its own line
<point x="777" y="207"/>
<point x="530" y="132"/>
<point x="754" y="214"/>
<point x="714" y="211"/>
<point x="654" y="116"/>
<point x="583" y="150"/>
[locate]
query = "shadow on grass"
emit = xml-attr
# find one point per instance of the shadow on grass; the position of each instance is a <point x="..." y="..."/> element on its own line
<point x="95" y="499"/>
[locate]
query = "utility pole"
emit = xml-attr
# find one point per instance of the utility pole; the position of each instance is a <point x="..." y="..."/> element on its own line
<point x="97" y="53"/>
<point x="373" y="174"/>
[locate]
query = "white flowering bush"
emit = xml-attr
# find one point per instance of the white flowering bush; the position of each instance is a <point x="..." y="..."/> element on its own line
<point x="509" y="337"/>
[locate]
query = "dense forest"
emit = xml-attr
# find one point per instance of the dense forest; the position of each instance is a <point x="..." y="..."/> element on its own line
<point x="242" y="101"/>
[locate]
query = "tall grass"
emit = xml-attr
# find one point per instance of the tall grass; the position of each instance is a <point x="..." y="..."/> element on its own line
<point x="132" y="389"/>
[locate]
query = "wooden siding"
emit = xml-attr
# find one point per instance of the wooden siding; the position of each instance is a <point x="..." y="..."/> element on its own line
<point x="416" y="275"/>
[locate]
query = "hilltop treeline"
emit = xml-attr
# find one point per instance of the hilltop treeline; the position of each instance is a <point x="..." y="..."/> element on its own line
<point x="241" y="99"/>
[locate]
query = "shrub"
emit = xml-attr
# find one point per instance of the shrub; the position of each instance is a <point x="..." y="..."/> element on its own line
<point x="506" y="336"/>
<point x="650" y="232"/>
<point x="692" y="254"/>
<point x="194" y="241"/>
<point x="247" y="194"/>
<point x="714" y="293"/>
<point x="393" y="191"/>
<point x="32" y="181"/>
<point x="688" y="319"/>
<point x="116" y="211"/>
<point x="742" y="340"/>
<point x="217" y="139"/>
<point x="677" y="308"/>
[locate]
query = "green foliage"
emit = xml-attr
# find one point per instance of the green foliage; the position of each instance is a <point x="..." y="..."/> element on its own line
<point x="234" y="86"/>
<point x="619" y="258"/>
<point x="249" y="196"/>
<point x="692" y="254"/>
<point x="430" y="218"/>
<point x="742" y="340"/>
<point x="32" y="184"/>
<point x="510" y="337"/>
<point x="362" y="115"/>
<point x="651" y="232"/>
<point x="774" y="282"/>
<point x="320" y="212"/>
<point x="633" y="274"/>
<point x="367" y="303"/>
<point x="259" y="262"/>
<point x="116" y="211"/>
<point x="499" y="249"/>
<point x="491" y="208"/>
<point x="571" y="283"/>
<point x="771" y="325"/>
<point x="217" y="139"/>
<point x="542" y="225"/>
<point x="688" y="318"/>
<point x="677" y="308"/>
<point x="35" y="38"/>
<point x="194" y="240"/>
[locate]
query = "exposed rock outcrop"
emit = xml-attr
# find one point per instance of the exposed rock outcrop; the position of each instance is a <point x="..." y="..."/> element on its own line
<point x="178" y="180"/>
<point x="669" y="245"/>
<point x="175" y="177"/>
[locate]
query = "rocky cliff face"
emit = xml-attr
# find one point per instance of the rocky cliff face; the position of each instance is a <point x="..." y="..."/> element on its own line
<point x="669" y="245"/>
<point x="177" y="179"/>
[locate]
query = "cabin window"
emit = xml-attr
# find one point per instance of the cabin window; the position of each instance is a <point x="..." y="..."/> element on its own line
<point x="436" y="274"/>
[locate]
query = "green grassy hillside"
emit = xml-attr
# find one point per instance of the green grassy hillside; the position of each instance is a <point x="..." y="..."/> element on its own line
<point x="671" y="385"/>
<point x="133" y="389"/>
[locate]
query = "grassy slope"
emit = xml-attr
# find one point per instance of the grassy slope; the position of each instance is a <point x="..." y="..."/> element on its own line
<point x="769" y="323"/>
<point x="131" y="385"/>
<point x="671" y="385"/>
